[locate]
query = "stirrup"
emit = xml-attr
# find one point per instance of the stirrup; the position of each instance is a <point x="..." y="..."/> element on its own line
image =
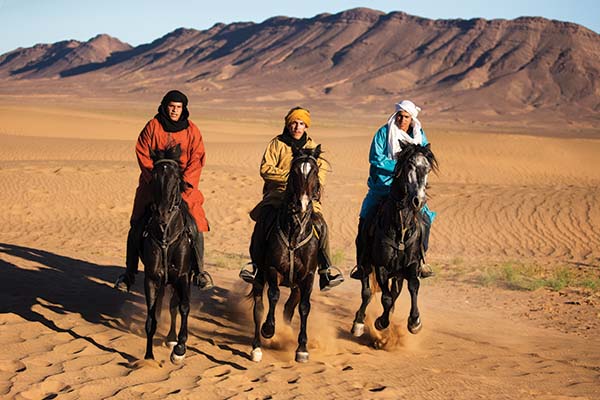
<point x="203" y="280"/>
<point x="425" y="271"/>
<point x="123" y="284"/>
<point x="330" y="282"/>
<point x="246" y="275"/>
<point x="358" y="272"/>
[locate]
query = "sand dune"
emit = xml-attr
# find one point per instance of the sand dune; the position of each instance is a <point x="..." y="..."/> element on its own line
<point x="67" y="189"/>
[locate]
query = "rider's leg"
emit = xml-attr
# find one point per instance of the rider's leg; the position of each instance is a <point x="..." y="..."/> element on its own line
<point x="425" y="270"/>
<point x="201" y="278"/>
<point x="134" y="240"/>
<point x="327" y="280"/>
<point x="361" y="241"/>
<point x="264" y="220"/>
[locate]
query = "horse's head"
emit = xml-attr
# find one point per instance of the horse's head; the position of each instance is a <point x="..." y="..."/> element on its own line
<point x="167" y="181"/>
<point x="303" y="181"/>
<point x="414" y="164"/>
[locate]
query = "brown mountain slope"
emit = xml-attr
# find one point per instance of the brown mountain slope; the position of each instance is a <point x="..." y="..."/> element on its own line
<point x="500" y="66"/>
<point x="50" y="60"/>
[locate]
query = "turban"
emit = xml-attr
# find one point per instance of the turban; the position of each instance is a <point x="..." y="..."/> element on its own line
<point x="298" y="113"/>
<point x="409" y="107"/>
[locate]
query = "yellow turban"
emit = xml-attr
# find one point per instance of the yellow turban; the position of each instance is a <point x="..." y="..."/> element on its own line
<point x="298" y="113"/>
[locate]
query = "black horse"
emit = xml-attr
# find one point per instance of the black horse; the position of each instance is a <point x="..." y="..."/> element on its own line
<point x="167" y="251"/>
<point x="394" y="237"/>
<point x="290" y="254"/>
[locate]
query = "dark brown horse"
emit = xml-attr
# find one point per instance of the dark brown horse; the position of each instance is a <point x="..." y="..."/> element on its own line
<point x="290" y="254"/>
<point x="395" y="234"/>
<point x="167" y="251"/>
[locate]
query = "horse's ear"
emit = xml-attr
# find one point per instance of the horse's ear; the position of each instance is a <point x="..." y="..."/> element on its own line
<point x="153" y="155"/>
<point x="317" y="151"/>
<point x="177" y="151"/>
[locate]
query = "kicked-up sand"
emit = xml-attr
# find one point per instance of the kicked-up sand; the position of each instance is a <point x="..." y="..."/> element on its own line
<point x="67" y="180"/>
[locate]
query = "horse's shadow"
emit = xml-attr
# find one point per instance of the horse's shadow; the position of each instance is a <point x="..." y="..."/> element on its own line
<point x="62" y="285"/>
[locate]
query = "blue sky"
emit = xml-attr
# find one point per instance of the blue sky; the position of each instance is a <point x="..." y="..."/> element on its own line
<point x="24" y="23"/>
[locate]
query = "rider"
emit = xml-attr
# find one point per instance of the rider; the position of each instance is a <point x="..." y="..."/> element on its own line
<point x="404" y="126"/>
<point x="274" y="169"/>
<point x="169" y="127"/>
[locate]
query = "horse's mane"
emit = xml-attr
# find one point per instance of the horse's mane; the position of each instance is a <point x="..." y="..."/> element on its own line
<point x="409" y="150"/>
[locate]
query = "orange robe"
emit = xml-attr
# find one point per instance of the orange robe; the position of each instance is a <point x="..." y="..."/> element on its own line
<point x="193" y="157"/>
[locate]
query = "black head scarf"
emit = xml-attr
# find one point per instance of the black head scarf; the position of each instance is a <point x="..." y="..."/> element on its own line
<point x="163" y="117"/>
<point x="287" y="138"/>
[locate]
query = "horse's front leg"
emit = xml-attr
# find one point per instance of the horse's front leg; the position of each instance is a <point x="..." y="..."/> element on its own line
<point x="358" y="326"/>
<point x="172" y="335"/>
<point x="290" y="305"/>
<point x="414" y="319"/>
<point x="182" y="287"/>
<point x="268" y="328"/>
<point x="257" y="296"/>
<point x="151" y="288"/>
<point x="304" y="310"/>
<point x="386" y="298"/>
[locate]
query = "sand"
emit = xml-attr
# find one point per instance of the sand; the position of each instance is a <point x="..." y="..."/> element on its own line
<point x="67" y="180"/>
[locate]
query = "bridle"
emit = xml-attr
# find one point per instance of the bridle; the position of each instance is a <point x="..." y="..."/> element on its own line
<point x="164" y="243"/>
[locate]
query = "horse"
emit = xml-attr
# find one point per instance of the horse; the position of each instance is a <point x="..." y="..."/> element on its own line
<point x="289" y="256"/>
<point x="394" y="239"/>
<point x="167" y="252"/>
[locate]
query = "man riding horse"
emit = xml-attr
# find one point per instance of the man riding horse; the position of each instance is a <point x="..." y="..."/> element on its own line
<point x="169" y="127"/>
<point x="402" y="126"/>
<point x="274" y="170"/>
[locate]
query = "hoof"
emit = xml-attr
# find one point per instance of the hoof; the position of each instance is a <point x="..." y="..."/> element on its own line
<point x="358" y="329"/>
<point x="256" y="354"/>
<point x="267" y="331"/>
<point x="379" y="325"/>
<point x="414" y="327"/>
<point x="175" y="359"/>
<point x="171" y="344"/>
<point x="302" y="356"/>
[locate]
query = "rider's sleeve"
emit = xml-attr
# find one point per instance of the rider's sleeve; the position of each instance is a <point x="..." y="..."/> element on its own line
<point x="197" y="158"/>
<point x="142" y="151"/>
<point x="378" y="154"/>
<point x="268" y="165"/>
<point x="424" y="141"/>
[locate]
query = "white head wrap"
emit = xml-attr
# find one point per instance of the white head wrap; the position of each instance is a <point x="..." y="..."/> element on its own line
<point x="395" y="134"/>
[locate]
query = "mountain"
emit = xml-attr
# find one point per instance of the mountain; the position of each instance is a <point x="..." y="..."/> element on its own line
<point x="360" y="55"/>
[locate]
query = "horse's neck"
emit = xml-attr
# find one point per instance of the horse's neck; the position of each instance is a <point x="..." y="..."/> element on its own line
<point x="295" y="223"/>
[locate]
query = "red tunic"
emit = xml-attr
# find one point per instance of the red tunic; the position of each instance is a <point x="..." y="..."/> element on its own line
<point x="153" y="136"/>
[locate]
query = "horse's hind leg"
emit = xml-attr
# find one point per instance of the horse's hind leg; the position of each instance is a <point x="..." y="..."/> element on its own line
<point x="386" y="299"/>
<point x="304" y="310"/>
<point x="182" y="287"/>
<point x="358" y="327"/>
<point x="268" y="328"/>
<point x="152" y="289"/>
<point x="414" y="319"/>
<point x="172" y="335"/>
<point x="290" y="305"/>
<point x="257" y="295"/>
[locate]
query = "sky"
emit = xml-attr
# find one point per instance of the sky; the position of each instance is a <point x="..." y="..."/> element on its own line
<point x="24" y="23"/>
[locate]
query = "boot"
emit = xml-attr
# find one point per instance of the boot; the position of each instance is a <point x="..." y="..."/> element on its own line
<point x="134" y="240"/>
<point x="327" y="280"/>
<point x="200" y="277"/>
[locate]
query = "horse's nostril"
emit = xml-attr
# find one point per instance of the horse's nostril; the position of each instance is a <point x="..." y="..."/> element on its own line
<point x="415" y="201"/>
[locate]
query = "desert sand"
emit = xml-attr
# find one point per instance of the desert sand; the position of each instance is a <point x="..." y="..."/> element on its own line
<point x="67" y="180"/>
